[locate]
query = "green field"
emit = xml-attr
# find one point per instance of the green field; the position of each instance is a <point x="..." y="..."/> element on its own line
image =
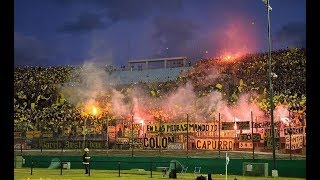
<point x="78" y="174"/>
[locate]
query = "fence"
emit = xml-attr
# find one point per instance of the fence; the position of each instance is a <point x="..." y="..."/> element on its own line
<point x="252" y="135"/>
<point x="286" y="168"/>
<point x="133" y="167"/>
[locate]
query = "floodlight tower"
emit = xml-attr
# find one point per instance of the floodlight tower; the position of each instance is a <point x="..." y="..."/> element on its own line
<point x="269" y="9"/>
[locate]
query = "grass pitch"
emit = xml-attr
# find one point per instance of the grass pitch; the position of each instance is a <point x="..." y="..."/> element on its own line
<point x="137" y="174"/>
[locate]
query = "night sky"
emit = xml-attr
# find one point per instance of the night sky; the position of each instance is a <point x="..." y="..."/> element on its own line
<point x="71" y="32"/>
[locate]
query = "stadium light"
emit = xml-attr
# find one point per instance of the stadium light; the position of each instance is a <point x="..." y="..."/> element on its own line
<point x="269" y="9"/>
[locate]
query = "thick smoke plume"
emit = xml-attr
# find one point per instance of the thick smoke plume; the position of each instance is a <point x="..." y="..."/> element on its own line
<point x="136" y="100"/>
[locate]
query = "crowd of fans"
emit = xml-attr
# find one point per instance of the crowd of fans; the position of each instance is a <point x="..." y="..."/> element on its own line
<point x="40" y="105"/>
<point x="250" y="74"/>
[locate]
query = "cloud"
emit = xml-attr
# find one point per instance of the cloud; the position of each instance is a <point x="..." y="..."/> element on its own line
<point x="292" y="34"/>
<point x="118" y="10"/>
<point x="85" y="22"/>
<point x="29" y="50"/>
<point x="124" y="10"/>
<point x="172" y="35"/>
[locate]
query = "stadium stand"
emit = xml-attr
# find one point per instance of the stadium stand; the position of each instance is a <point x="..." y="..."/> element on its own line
<point x="147" y="75"/>
<point x="41" y="105"/>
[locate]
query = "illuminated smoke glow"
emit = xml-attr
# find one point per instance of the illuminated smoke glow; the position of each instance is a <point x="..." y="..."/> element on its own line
<point x="119" y="106"/>
<point x="172" y="107"/>
<point x="207" y="105"/>
<point x="235" y="39"/>
<point x="180" y="102"/>
<point x="244" y="108"/>
<point x="212" y="74"/>
<point x="140" y="102"/>
<point x="93" y="83"/>
<point x="281" y="113"/>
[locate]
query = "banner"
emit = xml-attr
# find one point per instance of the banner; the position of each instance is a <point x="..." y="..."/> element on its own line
<point x="245" y="145"/>
<point x="239" y="125"/>
<point x="181" y="127"/>
<point x="268" y="139"/>
<point x="243" y="125"/>
<point x="209" y="144"/>
<point x="294" y="130"/>
<point x="157" y="142"/>
<point x="248" y="137"/>
<point x="175" y="146"/>
<point x="296" y="141"/>
<point x="227" y="126"/>
<point x="122" y="140"/>
<point x="137" y="141"/>
<point x="68" y="144"/>
<point x="206" y="134"/>
<point x="227" y="134"/>
<point x="266" y="124"/>
<point x="33" y="134"/>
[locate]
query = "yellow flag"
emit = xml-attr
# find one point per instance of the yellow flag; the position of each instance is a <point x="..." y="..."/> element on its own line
<point x="234" y="96"/>
<point x="32" y="106"/>
<point x="265" y="91"/>
<point x="128" y="90"/>
<point x="240" y="82"/>
<point x="38" y="98"/>
<point x="62" y="100"/>
<point x="303" y="100"/>
<point x="219" y="86"/>
<point x="21" y="95"/>
<point x="25" y="105"/>
<point x="153" y="93"/>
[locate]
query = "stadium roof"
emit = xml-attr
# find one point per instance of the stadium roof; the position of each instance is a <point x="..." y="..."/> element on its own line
<point x="157" y="59"/>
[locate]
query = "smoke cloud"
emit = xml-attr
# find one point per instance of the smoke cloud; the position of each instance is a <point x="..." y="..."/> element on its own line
<point x="136" y="100"/>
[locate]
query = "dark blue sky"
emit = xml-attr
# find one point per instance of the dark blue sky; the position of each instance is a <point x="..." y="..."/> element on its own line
<point x="71" y="32"/>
